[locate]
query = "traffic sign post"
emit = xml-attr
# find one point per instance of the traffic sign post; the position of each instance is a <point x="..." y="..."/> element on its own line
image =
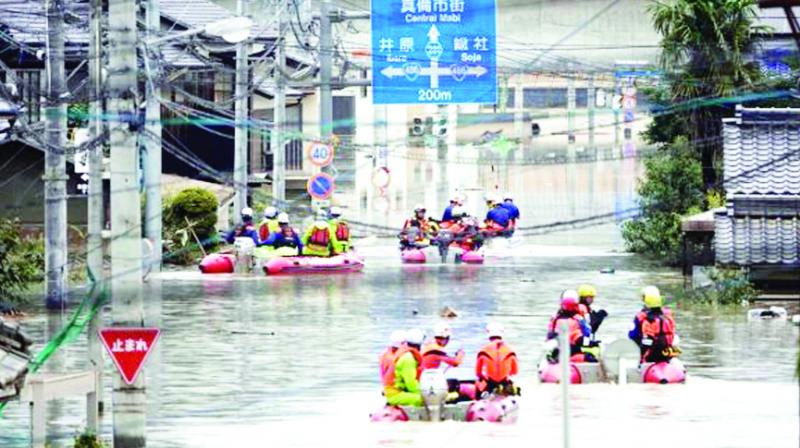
<point x="320" y="154"/>
<point x="434" y="51"/>
<point x="129" y="348"/>
<point x="320" y="186"/>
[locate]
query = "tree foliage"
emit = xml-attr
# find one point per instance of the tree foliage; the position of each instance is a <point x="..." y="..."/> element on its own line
<point x="673" y="188"/>
<point x="191" y="213"/>
<point x="704" y="49"/>
<point x="21" y="259"/>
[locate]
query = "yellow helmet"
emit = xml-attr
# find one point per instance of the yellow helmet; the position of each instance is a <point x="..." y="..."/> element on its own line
<point x="651" y="297"/>
<point x="587" y="291"/>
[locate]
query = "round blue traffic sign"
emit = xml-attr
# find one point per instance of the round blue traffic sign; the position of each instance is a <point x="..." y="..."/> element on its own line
<point x="320" y="186"/>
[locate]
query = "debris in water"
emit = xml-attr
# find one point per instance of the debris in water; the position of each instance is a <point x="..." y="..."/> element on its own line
<point x="527" y="280"/>
<point x="415" y="311"/>
<point x="448" y="312"/>
<point x="607" y="270"/>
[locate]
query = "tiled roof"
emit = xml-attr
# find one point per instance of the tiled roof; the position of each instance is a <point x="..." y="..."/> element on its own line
<point x="197" y="13"/>
<point x="746" y="241"/>
<point x="25" y="22"/>
<point x="762" y="152"/>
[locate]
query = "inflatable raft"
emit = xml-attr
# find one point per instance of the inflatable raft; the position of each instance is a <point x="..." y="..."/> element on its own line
<point x="663" y="372"/>
<point x="413" y="256"/>
<point x="347" y="262"/>
<point x="217" y="264"/>
<point x="434" y="386"/>
<point x="592" y="372"/>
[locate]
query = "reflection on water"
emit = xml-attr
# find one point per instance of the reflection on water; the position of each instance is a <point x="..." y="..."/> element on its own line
<point x="294" y="360"/>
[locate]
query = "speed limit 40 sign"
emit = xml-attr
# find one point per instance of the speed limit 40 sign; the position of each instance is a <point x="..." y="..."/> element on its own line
<point x="320" y="154"/>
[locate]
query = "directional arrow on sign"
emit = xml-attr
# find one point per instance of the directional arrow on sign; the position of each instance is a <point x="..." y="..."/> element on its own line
<point x="476" y="71"/>
<point x="434" y="51"/>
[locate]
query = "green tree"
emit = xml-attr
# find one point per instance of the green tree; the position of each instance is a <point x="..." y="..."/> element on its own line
<point x="21" y="260"/>
<point x="704" y="48"/>
<point x="671" y="189"/>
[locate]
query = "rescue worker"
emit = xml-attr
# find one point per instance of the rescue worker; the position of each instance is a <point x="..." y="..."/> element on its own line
<point x="286" y="236"/>
<point x="340" y="231"/>
<point x="318" y="239"/>
<point x="497" y="218"/>
<point x="654" y="328"/>
<point x="496" y="364"/>
<point x="586" y="294"/>
<point x="269" y="224"/>
<point x="434" y="353"/>
<point x="447" y="216"/>
<point x="513" y="211"/>
<point x="418" y="230"/>
<point x="404" y="387"/>
<point x="578" y="331"/>
<point x="245" y="229"/>
<point x="389" y="356"/>
<point x="469" y="235"/>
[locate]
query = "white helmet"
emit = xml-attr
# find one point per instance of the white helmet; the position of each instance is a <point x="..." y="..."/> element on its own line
<point x="491" y="197"/>
<point x="397" y="338"/>
<point x="283" y="218"/>
<point x="336" y="211"/>
<point x="455" y="198"/>
<point x="508" y="196"/>
<point x="419" y="207"/>
<point x="270" y="212"/>
<point x="442" y="330"/>
<point x="495" y="329"/>
<point x="247" y="211"/>
<point x="415" y="336"/>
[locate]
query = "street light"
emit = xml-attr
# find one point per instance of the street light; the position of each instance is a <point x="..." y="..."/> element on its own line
<point x="232" y="30"/>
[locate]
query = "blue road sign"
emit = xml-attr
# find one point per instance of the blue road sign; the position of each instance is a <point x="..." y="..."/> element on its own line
<point x="434" y="51"/>
<point x="320" y="186"/>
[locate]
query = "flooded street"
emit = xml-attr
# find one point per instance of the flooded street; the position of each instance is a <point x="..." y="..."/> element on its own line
<point x="292" y="361"/>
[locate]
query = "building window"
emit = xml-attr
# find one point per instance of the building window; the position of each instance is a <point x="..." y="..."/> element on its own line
<point x="344" y="115"/>
<point x="30" y="91"/>
<point x="552" y="98"/>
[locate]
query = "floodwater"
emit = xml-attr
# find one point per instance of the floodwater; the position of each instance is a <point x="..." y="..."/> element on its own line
<point x="293" y="361"/>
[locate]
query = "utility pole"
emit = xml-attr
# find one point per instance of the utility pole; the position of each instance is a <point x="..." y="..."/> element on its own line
<point x="279" y="114"/>
<point x="126" y="233"/>
<point x="55" y="162"/>
<point x="325" y="71"/>
<point x="96" y="211"/>
<point x="590" y="101"/>
<point x="240" y="171"/>
<point x="152" y="171"/>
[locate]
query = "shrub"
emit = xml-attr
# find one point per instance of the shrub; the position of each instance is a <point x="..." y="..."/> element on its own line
<point x="21" y="259"/>
<point x="88" y="440"/>
<point x="198" y="206"/>
<point x="730" y="287"/>
<point x="672" y="188"/>
<point x="191" y="210"/>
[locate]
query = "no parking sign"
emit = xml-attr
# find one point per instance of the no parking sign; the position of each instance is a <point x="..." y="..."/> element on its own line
<point x="320" y="186"/>
<point x="320" y="154"/>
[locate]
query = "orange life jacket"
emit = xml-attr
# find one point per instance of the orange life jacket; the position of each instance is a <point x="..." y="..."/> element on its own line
<point x="342" y="231"/>
<point x="388" y="377"/>
<point x="320" y="237"/>
<point x="657" y="329"/>
<point x="573" y="328"/>
<point x="496" y="362"/>
<point x="433" y="355"/>
<point x="388" y="358"/>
